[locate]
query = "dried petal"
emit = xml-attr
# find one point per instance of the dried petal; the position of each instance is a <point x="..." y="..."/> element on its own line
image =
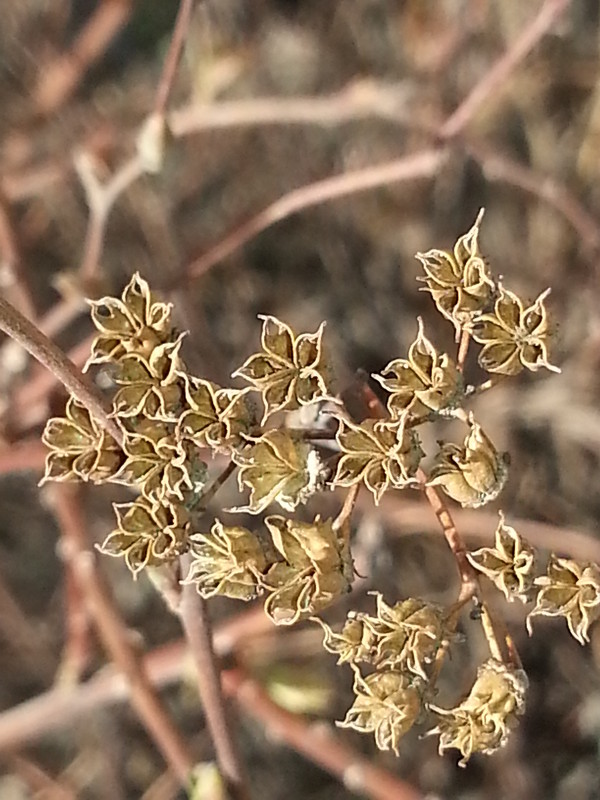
<point x="387" y="704"/>
<point x="513" y="337"/>
<point x="216" y="418"/>
<point x="228" y="561"/>
<point x="291" y="371"/>
<point x="278" y="468"/>
<point x="424" y="383"/>
<point x="482" y="722"/>
<point x="509" y="564"/>
<point x="473" y="474"/>
<point x="379" y="454"/>
<point x="148" y="533"/>
<point x="459" y="282"/>
<point x="570" y="589"/>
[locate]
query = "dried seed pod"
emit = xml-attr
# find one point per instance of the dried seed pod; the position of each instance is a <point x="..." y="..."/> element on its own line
<point x="570" y="589"/>
<point x="291" y="371"/>
<point x="514" y="337"/>
<point x="387" y="704"/>
<point x="354" y="644"/>
<point x="509" y="564"/>
<point x="79" y="449"/>
<point x="473" y="474"/>
<point x="278" y="468"/>
<point x="136" y="323"/>
<point x="148" y="533"/>
<point x="482" y="722"/>
<point x="459" y="282"/>
<point x="227" y="561"/>
<point x="424" y="383"/>
<point x="216" y="418"/>
<point x="376" y="453"/>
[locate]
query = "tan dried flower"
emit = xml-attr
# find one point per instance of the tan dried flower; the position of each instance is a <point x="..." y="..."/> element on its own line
<point x="290" y="372"/>
<point x="152" y="386"/>
<point x="387" y="704"/>
<point x="482" y="722"/>
<point x="509" y="564"/>
<point x="459" y="282"/>
<point x="316" y="569"/>
<point x="377" y="453"/>
<point x="570" y="589"/>
<point x="408" y="634"/>
<point x="216" y="418"/>
<point x="79" y="449"/>
<point x="424" y="383"/>
<point x="473" y="474"/>
<point x="355" y="643"/>
<point x="148" y="533"/>
<point x="159" y="463"/>
<point x="278" y="468"/>
<point x="137" y="323"/>
<point x="227" y="561"/>
<point x="514" y="337"/>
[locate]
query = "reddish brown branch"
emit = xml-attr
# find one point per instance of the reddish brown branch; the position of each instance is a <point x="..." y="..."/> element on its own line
<point x="180" y="30"/>
<point x="13" y="279"/>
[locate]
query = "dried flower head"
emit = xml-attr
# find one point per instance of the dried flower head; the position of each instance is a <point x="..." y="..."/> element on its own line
<point x="459" y="282"/>
<point x="482" y="722"/>
<point x="514" y="337"/>
<point x="473" y="474"/>
<point x="227" y="561"/>
<point x="387" y="704"/>
<point x="152" y="386"/>
<point x="509" y="564"/>
<point x="570" y="589"/>
<point x="424" y="383"/>
<point x="278" y="468"/>
<point x="137" y="323"/>
<point x="290" y="372"/>
<point x="148" y="533"/>
<point x="377" y="453"/>
<point x="355" y="643"/>
<point x="408" y="634"/>
<point x="215" y="418"/>
<point x="79" y="449"/>
<point x="316" y="568"/>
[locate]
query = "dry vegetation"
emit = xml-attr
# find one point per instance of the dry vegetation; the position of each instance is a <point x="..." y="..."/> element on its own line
<point x="313" y="148"/>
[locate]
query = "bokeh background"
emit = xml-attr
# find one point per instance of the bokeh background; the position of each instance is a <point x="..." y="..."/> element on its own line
<point x="271" y="96"/>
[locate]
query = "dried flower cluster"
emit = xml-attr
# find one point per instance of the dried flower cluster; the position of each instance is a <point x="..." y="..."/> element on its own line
<point x="172" y="421"/>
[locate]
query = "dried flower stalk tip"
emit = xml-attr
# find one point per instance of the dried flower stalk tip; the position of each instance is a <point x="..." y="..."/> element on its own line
<point x="381" y="455"/>
<point x="473" y="474"/>
<point x="291" y="371"/>
<point x="422" y="384"/>
<point x="482" y="722"/>
<point x="570" y="589"/>
<point x="509" y="564"/>
<point x="387" y="704"/>
<point x="459" y="282"/>
<point x="514" y="337"/>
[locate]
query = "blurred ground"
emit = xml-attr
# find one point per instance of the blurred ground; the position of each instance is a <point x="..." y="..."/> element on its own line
<point x="349" y="261"/>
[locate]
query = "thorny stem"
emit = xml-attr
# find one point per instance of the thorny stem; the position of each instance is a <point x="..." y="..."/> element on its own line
<point x="196" y="625"/>
<point x="52" y="357"/>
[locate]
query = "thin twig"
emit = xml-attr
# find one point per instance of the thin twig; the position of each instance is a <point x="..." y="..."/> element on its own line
<point x="196" y="625"/>
<point x="463" y="349"/>
<point x="52" y="357"/>
<point x="12" y="277"/>
<point x="114" y="634"/>
<point x="210" y="491"/>
<point x="493" y="80"/>
<point x="180" y="30"/>
<point x="417" y="165"/>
